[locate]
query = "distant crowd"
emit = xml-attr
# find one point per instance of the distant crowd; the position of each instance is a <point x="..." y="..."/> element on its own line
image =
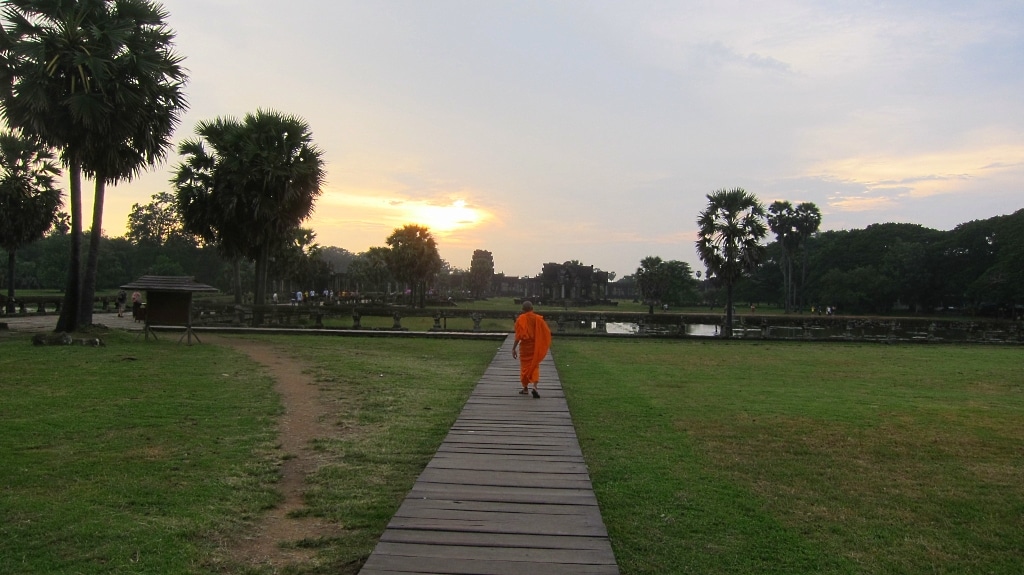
<point x="308" y="297"/>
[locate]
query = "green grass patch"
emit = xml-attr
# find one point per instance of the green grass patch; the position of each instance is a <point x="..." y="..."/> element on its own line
<point x="142" y="457"/>
<point x="130" y="457"/>
<point x="732" y="457"/>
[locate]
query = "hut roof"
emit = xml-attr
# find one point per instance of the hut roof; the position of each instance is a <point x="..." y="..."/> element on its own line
<point x="168" y="283"/>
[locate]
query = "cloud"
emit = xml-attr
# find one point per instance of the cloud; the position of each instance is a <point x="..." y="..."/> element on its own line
<point x="863" y="203"/>
<point x="920" y="175"/>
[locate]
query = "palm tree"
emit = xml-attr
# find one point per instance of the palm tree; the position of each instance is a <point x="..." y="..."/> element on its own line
<point x="808" y="220"/>
<point x="97" y="80"/>
<point x="781" y="220"/>
<point x="792" y="226"/>
<point x="252" y="188"/>
<point x="194" y="183"/>
<point x="731" y="229"/>
<point x="29" y="202"/>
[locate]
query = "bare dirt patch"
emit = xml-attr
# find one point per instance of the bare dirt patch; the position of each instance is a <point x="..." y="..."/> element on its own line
<point x="274" y="538"/>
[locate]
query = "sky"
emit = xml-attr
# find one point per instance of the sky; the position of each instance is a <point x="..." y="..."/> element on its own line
<point x="548" y="131"/>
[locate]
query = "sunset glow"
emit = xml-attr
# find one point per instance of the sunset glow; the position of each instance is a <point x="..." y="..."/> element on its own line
<point x="442" y="219"/>
<point x="384" y="211"/>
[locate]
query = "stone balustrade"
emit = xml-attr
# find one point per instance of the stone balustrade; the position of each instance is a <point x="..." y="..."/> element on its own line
<point x="634" y="324"/>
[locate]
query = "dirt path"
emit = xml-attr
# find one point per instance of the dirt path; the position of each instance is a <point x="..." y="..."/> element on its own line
<point x="305" y="418"/>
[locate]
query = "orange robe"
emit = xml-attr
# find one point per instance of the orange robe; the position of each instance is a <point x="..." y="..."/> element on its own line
<point x="534" y="339"/>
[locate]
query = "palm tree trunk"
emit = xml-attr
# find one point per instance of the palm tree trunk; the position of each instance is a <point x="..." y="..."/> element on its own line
<point x="10" y="281"/>
<point x="68" y="320"/>
<point x="803" y="277"/>
<point x="260" y="293"/>
<point x="727" y="328"/>
<point x="237" y="280"/>
<point x="92" y="260"/>
<point x="790" y="291"/>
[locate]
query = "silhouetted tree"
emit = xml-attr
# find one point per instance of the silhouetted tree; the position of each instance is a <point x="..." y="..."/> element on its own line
<point x="413" y="259"/>
<point x="481" y="270"/>
<point x="730" y="232"/>
<point x="157" y="222"/>
<point x="253" y="188"/>
<point x="368" y="271"/>
<point x="29" y="201"/>
<point x="792" y="226"/>
<point x="98" y="81"/>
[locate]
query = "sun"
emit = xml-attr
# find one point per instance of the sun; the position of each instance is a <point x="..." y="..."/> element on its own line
<point x="446" y="218"/>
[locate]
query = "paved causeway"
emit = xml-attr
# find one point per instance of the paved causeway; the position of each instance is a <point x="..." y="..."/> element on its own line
<point x="507" y="493"/>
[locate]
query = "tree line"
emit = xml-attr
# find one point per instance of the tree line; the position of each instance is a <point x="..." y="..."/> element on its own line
<point x="976" y="268"/>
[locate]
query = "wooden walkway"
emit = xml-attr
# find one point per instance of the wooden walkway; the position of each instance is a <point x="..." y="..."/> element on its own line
<point x="507" y="493"/>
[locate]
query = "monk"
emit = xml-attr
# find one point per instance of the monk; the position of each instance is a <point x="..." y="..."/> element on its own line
<point x="533" y="338"/>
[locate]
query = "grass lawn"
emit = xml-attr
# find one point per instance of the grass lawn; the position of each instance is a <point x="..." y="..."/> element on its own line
<point x="740" y="457"/>
<point x="707" y="456"/>
<point x="142" y="457"/>
<point x="128" y="458"/>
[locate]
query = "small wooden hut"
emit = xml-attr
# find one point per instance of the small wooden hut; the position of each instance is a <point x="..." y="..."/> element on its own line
<point x="168" y="301"/>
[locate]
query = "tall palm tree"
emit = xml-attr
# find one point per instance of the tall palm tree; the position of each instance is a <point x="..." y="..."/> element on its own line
<point x="782" y="221"/>
<point x="97" y="80"/>
<point x="729" y="242"/>
<point x="808" y="220"/>
<point x="792" y="226"/>
<point x="29" y="200"/>
<point x="255" y="184"/>
<point x="194" y="183"/>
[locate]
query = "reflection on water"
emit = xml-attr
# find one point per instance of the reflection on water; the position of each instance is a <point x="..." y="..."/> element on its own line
<point x="813" y="329"/>
<point x="622" y="328"/>
<point x="701" y="329"/>
<point x="692" y="329"/>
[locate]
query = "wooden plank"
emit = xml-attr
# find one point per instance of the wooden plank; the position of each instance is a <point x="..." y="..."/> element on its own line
<point x="469" y="463"/>
<point x="493" y="440"/>
<point x="380" y="564"/>
<point x="505" y="451"/>
<point x="517" y="430"/>
<point x="509" y="454"/>
<point x="508" y="540"/>
<point x="533" y="424"/>
<point x="511" y="494"/>
<point x="500" y="523"/>
<point x="418" y="507"/>
<point x="510" y="524"/>
<point x="535" y="554"/>
<point x="509" y="479"/>
<point x="526" y="449"/>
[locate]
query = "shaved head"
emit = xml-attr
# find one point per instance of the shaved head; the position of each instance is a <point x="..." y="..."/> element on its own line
<point x="527" y="305"/>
